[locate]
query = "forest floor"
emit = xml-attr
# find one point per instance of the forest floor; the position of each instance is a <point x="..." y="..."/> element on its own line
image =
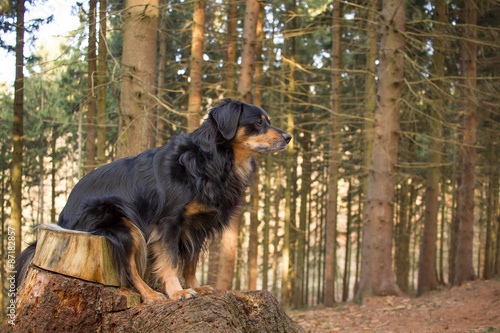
<point x="472" y="307"/>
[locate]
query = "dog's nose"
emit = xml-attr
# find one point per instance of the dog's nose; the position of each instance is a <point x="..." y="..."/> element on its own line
<point x="287" y="137"/>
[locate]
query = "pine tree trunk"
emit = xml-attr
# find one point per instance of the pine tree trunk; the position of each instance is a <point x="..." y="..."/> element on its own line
<point x="162" y="59"/>
<point x="497" y="258"/>
<point x="300" y="265"/>
<point x="370" y="89"/>
<point x="267" y="222"/>
<point x="276" y="238"/>
<point x="403" y="239"/>
<point x="136" y="132"/>
<point x="492" y="209"/>
<point x="464" y="270"/>
<point x="253" y="252"/>
<point x="92" y="82"/>
<point x="17" y="153"/>
<point x="455" y="221"/>
<point x="230" y="82"/>
<point x="101" y="85"/>
<point x="254" y="233"/>
<point x="333" y="160"/>
<point x="427" y="276"/>
<point x="347" y="261"/>
<point x="376" y="266"/>
<point x="245" y="83"/>
<point x="53" y="172"/>
<point x="230" y="66"/>
<point x="196" y="67"/>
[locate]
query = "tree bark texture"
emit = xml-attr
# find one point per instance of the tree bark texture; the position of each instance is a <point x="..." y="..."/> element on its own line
<point x="18" y="132"/>
<point x="230" y="65"/>
<point x="160" y="93"/>
<point x="245" y="83"/>
<point x="92" y="82"/>
<point x="136" y="132"/>
<point x="427" y="276"/>
<point x="370" y="88"/>
<point x="377" y="277"/>
<point x="51" y="302"/>
<point x="101" y="85"/>
<point x="196" y="68"/>
<point x="333" y="161"/>
<point x="464" y="269"/>
<point x="230" y="236"/>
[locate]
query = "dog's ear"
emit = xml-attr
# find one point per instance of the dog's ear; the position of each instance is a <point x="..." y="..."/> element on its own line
<point x="227" y="115"/>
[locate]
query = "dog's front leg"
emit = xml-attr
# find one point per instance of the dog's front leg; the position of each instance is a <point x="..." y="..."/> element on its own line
<point x="189" y="274"/>
<point x="165" y="267"/>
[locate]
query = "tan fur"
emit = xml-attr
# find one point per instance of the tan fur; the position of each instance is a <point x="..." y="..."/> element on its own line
<point x="196" y="207"/>
<point x="164" y="269"/>
<point x="140" y="247"/>
<point x="244" y="147"/>
<point x="138" y="259"/>
<point x="242" y="155"/>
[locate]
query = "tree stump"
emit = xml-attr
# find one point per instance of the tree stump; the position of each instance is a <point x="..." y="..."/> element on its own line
<point x="50" y="302"/>
<point x="74" y="253"/>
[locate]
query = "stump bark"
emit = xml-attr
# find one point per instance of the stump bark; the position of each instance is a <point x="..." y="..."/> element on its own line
<point x="50" y="302"/>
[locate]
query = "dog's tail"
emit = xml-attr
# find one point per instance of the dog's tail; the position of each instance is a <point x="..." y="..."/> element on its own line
<point x="113" y="218"/>
<point x="110" y="217"/>
<point x="23" y="262"/>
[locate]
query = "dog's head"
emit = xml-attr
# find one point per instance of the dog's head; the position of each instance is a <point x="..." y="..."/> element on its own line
<point x="248" y="126"/>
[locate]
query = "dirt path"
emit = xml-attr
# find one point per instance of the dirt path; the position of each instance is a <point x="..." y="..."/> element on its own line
<point x="473" y="307"/>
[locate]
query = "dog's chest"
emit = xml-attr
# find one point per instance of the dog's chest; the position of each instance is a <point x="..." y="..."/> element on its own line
<point x="244" y="169"/>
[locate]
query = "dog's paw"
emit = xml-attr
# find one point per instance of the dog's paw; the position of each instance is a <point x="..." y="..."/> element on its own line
<point x="205" y="290"/>
<point x="155" y="298"/>
<point x="183" y="294"/>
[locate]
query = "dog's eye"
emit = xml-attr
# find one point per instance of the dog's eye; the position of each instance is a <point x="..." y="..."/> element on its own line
<point x="259" y="123"/>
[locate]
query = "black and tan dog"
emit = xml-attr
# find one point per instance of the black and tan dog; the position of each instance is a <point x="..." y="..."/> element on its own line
<point x="158" y="208"/>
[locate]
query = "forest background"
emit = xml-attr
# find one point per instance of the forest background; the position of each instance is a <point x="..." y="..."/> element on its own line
<point x="390" y="185"/>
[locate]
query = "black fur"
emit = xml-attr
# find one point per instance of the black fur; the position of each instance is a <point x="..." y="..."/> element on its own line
<point x="154" y="189"/>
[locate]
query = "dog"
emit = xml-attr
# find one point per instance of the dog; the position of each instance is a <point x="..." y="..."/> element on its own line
<point x="158" y="208"/>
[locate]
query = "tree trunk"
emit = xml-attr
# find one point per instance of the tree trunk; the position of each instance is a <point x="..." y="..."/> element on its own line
<point x="464" y="270"/>
<point x="92" y="79"/>
<point x="376" y="267"/>
<point x="136" y="132"/>
<point x="196" y="68"/>
<point x="101" y="85"/>
<point x="300" y="265"/>
<point x="455" y="221"/>
<point x="253" y="251"/>
<point x="253" y="241"/>
<point x="248" y="51"/>
<point x="403" y="238"/>
<point x="497" y="258"/>
<point x="370" y="89"/>
<point x="230" y="236"/>
<point x="53" y="173"/>
<point x="276" y="238"/>
<point x="333" y="160"/>
<point x="267" y="222"/>
<point x="347" y="261"/>
<point x="230" y="66"/>
<point x="427" y="276"/>
<point x="51" y="302"/>
<point x="492" y="209"/>
<point x="162" y="59"/>
<point x="17" y="153"/>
